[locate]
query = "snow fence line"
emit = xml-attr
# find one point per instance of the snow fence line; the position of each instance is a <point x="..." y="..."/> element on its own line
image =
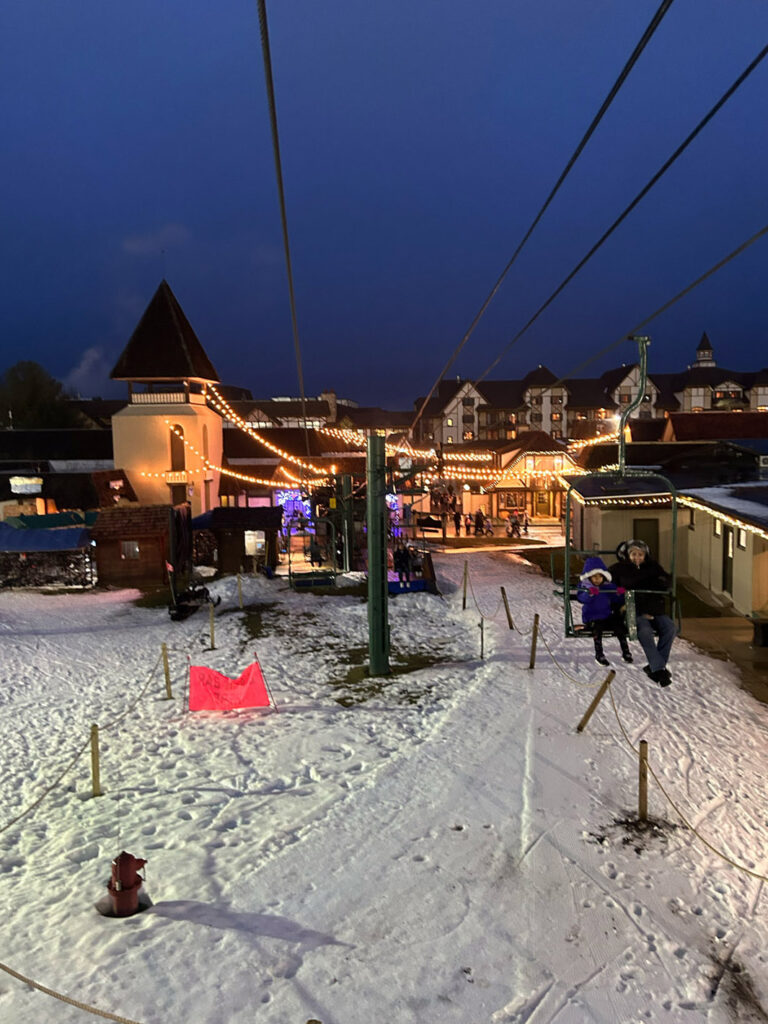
<point x="623" y="738"/>
<point x="93" y="742"/>
<point x="66" y="999"/>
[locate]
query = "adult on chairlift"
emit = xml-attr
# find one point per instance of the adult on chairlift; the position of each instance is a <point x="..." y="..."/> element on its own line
<point x="636" y="570"/>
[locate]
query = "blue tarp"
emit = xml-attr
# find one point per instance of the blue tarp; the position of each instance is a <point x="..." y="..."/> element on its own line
<point x="67" y="539"/>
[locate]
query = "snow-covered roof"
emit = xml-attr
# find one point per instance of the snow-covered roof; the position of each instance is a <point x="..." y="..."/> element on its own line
<point x="747" y="502"/>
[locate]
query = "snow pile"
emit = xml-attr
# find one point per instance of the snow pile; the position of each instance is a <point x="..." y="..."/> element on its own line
<point x="436" y="846"/>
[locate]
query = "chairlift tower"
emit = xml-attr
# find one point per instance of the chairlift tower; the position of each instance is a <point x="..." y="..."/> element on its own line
<point x="378" y="593"/>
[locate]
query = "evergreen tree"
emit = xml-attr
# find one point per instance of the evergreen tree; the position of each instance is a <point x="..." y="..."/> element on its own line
<point x="31" y="399"/>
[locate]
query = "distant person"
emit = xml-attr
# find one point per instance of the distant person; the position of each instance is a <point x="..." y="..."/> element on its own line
<point x="479" y="522"/>
<point x="457" y="522"/>
<point x="468" y="523"/>
<point x="601" y="601"/>
<point x="525" y="523"/>
<point x="315" y="554"/>
<point x="401" y="563"/>
<point x="636" y="570"/>
<point x="513" y="524"/>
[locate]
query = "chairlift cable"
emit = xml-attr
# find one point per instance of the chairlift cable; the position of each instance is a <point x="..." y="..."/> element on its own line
<point x="643" y="42"/>
<point x="281" y="197"/>
<point x="662" y="309"/>
<point x="641" y="194"/>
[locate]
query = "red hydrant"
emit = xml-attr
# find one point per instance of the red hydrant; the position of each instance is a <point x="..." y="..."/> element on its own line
<point x="125" y="883"/>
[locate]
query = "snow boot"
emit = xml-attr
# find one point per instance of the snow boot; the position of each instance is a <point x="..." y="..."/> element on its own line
<point x="600" y="657"/>
<point x="625" y="651"/>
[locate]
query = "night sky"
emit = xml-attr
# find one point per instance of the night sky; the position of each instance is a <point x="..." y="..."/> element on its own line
<point x="419" y="139"/>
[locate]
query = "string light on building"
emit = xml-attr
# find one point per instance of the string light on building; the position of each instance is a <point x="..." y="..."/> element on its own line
<point x="577" y="446"/>
<point x="723" y="517"/>
<point x="468" y="456"/>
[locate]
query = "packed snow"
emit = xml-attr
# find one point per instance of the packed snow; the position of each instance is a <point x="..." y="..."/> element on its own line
<point x="439" y="845"/>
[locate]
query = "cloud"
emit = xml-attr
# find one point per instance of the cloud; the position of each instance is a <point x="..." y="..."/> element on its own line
<point x="152" y="242"/>
<point x="91" y="375"/>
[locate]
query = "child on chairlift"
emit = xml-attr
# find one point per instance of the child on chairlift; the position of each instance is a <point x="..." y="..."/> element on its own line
<point x="602" y="601"/>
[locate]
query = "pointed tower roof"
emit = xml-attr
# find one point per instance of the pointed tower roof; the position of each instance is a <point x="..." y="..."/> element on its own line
<point x="163" y="346"/>
<point x="705" y="345"/>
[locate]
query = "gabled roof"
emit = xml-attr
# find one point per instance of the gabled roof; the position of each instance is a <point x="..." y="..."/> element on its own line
<point x="539" y="377"/>
<point x="502" y="394"/>
<point x="612" y="378"/>
<point x="715" y="426"/>
<point x="163" y="346"/>
<point x="536" y="441"/>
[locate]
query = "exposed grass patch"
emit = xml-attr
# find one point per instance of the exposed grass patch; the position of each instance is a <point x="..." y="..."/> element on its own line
<point x="635" y="833"/>
<point x="359" y="686"/>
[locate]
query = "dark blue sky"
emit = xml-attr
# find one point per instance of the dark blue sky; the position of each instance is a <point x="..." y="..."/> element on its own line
<point x="419" y="138"/>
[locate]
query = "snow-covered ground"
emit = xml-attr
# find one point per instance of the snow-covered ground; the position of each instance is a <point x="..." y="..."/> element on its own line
<point x="437" y="846"/>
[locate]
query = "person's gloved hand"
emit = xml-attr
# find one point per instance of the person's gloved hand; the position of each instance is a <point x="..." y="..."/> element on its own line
<point x="620" y="590"/>
<point x="594" y="590"/>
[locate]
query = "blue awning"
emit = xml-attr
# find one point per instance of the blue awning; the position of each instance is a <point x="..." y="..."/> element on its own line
<point x="66" y="539"/>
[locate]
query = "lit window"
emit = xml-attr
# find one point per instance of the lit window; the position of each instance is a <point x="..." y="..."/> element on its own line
<point x="129" y="549"/>
<point x="742" y="539"/>
<point x="718" y="528"/>
<point x="449" y="439"/>
<point x="449" y="421"/>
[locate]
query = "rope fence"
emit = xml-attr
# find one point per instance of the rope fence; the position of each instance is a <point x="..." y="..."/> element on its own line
<point x="65" y="999"/>
<point x="606" y="685"/>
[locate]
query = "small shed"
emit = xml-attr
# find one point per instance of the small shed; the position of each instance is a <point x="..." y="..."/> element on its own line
<point x="242" y="537"/>
<point x="135" y="544"/>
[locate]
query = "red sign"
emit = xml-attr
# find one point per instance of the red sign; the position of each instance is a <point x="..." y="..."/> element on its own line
<point x="209" y="690"/>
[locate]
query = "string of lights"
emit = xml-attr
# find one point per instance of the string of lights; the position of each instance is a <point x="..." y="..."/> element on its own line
<point x="577" y="446"/>
<point x="723" y="517"/>
<point x="244" y="477"/>
<point x="468" y="456"/>
<point x="225" y="409"/>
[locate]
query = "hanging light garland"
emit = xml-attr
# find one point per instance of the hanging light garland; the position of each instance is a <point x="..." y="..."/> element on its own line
<point x="226" y="410"/>
<point x="244" y="477"/>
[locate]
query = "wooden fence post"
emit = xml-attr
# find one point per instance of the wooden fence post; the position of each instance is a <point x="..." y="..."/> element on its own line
<point x="534" y="638"/>
<point x="239" y="590"/>
<point x="166" y="669"/>
<point x="213" y="637"/>
<point x="466" y="576"/>
<point x="482" y="635"/>
<point x="95" y="778"/>
<point x="596" y="700"/>
<point x="643" y="796"/>
<point x="506" y="608"/>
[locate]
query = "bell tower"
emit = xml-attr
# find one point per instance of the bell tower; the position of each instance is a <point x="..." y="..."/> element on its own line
<point x="163" y="437"/>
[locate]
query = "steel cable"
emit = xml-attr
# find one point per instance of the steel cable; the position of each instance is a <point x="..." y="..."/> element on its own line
<point x="622" y="216"/>
<point x="630" y="63"/>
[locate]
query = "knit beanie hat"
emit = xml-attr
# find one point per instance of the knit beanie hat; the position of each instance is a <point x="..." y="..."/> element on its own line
<point x="640" y="545"/>
<point x="594" y="565"/>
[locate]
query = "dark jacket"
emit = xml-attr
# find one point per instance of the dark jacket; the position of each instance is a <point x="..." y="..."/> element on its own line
<point x="649" y="575"/>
